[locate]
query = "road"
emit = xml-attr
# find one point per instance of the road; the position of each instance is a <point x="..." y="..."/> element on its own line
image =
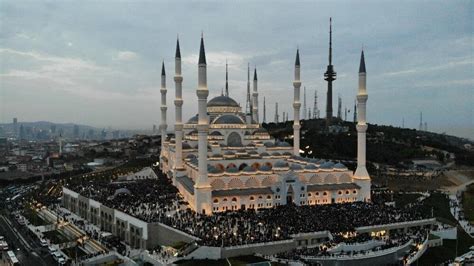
<point x="28" y="254"/>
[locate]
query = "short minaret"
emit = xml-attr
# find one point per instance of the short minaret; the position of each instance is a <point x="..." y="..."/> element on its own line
<point x="276" y="113"/>
<point x="248" y="101"/>
<point x="296" y="106"/>
<point x="202" y="187"/>
<point x="60" y="144"/>
<point x="178" y="103"/>
<point x="361" y="176"/>
<point x="163" y="107"/>
<point x="255" y="97"/>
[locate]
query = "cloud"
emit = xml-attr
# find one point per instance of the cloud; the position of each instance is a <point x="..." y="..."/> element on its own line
<point x="420" y="69"/>
<point x="127" y="55"/>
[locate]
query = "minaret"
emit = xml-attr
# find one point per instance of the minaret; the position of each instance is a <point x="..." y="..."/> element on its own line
<point x="345" y="113"/>
<point x="226" y="79"/>
<point x="255" y="98"/>
<point x="248" y="102"/>
<point x="202" y="187"/>
<point x="329" y="76"/>
<point x="163" y="107"/>
<point x="420" y="128"/>
<point x="284" y="117"/>
<point x="276" y="113"/>
<point x="178" y="103"/>
<point x="296" y="106"/>
<point x="361" y="176"/>
<point x="264" y="111"/>
<point x="304" y="104"/>
<point x="60" y="144"/>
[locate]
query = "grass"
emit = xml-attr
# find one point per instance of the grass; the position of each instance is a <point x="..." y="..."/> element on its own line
<point x="468" y="203"/>
<point x="56" y="237"/>
<point x="33" y="217"/>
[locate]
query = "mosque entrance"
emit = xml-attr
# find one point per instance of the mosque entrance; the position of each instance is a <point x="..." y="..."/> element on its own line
<point x="242" y="207"/>
<point x="289" y="199"/>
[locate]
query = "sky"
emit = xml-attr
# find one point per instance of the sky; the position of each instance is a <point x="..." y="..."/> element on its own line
<point x="99" y="62"/>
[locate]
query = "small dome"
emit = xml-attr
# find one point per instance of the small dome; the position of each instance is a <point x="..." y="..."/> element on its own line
<point x="340" y="166"/>
<point x="252" y="152"/>
<point x="214" y="170"/>
<point x="296" y="167"/>
<point x="286" y="153"/>
<point x="232" y="170"/>
<point x="327" y="165"/>
<point x="216" y="155"/>
<point x="242" y="151"/>
<point x="249" y="169"/>
<point x="310" y="167"/>
<point x="250" y="145"/>
<point x="193" y="132"/>
<point x="276" y="153"/>
<point x="269" y="144"/>
<point x="281" y="164"/>
<point x="247" y="133"/>
<point x="186" y="146"/>
<point x="215" y="133"/>
<point x="229" y="153"/>
<point x="265" y="168"/>
<point x="222" y="101"/>
<point x="321" y="161"/>
<point x="314" y="160"/>
<point x="283" y="144"/>
<point x="264" y="154"/>
<point x="193" y="120"/>
<point x="228" y="119"/>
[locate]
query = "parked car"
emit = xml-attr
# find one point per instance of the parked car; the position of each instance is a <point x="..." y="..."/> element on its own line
<point x="43" y="243"/>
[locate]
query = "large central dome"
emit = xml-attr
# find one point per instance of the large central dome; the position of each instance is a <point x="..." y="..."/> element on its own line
<point x="222" y="101"/>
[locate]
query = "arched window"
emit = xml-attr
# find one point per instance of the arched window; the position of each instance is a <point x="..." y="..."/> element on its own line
<point x="225" y="199"/>
<point x="252" y="198"/>
<point x="347" y="192"/>
<point x="269" y="197"/>
<point x="354" y="192"/>
<point x="325" y="193"/>
<point x="234" y="140"/>
<point x="216" y="201"/>
<point x="339" y="192"/>
<point x="234" y="199"/>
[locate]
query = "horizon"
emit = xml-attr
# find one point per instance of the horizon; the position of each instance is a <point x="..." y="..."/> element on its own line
<point x="98" y="65"/>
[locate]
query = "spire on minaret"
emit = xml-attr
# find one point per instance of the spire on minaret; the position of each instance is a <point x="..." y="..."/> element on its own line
<point x="202" y="53"/>
<point x="163" y="69"/>
<point x="362" y="63"/>
<point x="226" y="79"/>
<point x="304" y="104"/>
<point x="178" y="51"/>
<point x="255" y="74"/>
<point x="297" y="61"/>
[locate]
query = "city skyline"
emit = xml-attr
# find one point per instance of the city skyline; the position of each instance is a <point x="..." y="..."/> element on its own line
<point x="99" y="65"/>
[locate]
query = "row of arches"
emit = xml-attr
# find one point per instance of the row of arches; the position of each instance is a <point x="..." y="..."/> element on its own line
<point x="240" y="182"/>
<point x="254" y="166"/>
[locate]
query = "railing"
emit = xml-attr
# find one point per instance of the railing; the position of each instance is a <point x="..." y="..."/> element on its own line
<point x="412" y="258"/>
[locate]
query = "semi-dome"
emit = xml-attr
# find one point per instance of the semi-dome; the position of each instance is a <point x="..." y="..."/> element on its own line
<point x="190" y="156"/>
<point x="215" y="133"/>
<point x="283" y="144"/>
<point x="286" y="153"/>
<point x="228" y="119"/>
<point x="222" y="100"/>
<point x="310" y="167"/>
<point x="193" y="120"/>
<point x="269" y="144"/>
<point x="186" y="146"/>
<point x="264" y="154"/>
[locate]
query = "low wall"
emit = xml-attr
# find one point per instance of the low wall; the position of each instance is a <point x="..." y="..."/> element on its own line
<point x="382" y="257"/>
<point x="267" y="248"/>
<point x="356" y="247"/>
<point x="449" y="233"/>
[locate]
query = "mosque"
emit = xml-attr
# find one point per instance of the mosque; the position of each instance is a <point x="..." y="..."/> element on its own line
<point x="223" y="159"/>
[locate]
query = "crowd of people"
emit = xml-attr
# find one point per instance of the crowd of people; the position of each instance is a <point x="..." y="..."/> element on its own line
<point x="157" y="200"/>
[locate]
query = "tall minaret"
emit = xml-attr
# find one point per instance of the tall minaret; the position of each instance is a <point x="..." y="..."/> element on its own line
<point x="315" y="107"/>
<point x="226" y="79"/>
<point x="163" y="107"/>
<point x="296" y="106"/>
<point x="178" y="103"/>
<point x="255" y="98"/>
<point x="329" y="76"/>
<point x="202" y="187"/>
<point x="304" y="104"/>
<point x="60" y="144"/>
<point x="361" y="176"/>
<point x="420" y="128"/>
<point x="339" y="107"/>
<point x="264" y="111"/>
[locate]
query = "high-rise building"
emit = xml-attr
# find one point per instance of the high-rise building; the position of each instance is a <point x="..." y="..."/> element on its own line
<point x="15" y="127"/>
